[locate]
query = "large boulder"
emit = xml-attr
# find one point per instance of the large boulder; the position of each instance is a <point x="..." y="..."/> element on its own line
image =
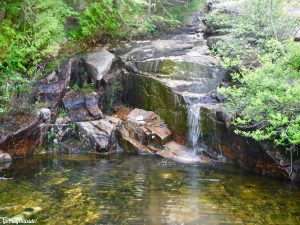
<point x="218" y="134"/>
<point x="20" y="134"/>
<point x="142" y="131"/>
<point x="99" y="135"/>
<point x="98" y="63"/>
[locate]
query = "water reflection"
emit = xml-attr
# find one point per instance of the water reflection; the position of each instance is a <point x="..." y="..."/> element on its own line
<point x="143" y="190"/>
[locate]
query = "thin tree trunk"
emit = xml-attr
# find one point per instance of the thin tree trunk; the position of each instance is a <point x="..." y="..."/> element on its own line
<point x="271" y="18"/>
<point x="149" y="7"/>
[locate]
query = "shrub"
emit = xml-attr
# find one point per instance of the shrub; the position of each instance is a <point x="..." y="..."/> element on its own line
<point x="266" y="100"/>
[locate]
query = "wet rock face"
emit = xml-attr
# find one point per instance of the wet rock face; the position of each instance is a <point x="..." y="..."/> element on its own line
<point x="169" y="74"/>
<point x="20" y="134"/>
<point x="217" y="133"/>
<point x="73" y="146"/>
<point x="150" y="94"/>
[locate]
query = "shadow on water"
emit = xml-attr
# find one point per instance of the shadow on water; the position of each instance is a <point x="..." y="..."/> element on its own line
<point x="127" y="189"/>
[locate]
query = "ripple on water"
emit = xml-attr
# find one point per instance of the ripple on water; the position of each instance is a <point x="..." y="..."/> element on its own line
<point x="143" y="190"/>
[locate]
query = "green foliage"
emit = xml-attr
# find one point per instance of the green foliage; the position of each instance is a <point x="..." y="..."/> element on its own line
<point x="34" y="31"/>
<point x="75" y="87"/>
<point x="218" y="20"/>
<point x="99" y="17"/>
<point x="258" y="22"/>
<point x="30" y="31"/>
<point x="266" y="100"/>
<point x="62" y="113"/>
<point x="50" y="135"/>
<point x="264" y="19"/>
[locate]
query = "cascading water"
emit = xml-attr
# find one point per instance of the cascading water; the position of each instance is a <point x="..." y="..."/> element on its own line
<point x="194" y="125"/>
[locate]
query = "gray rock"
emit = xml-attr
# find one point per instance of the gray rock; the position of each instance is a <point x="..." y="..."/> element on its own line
<point x="4" y="165"/>
<point x="44" y="114"/>
<point x="72" y="146"/>
<point x="62" y="132"/>
<point x="233" y="7"/>
<point x="74" y="103"/>
<point x="91" y="104"/>
<point x="5" y="157"/>
<point x="99" y="135"/>
<point x="51" y="89"/>
<point x="140" y="116"/>
<point x="99" y="62"/>
<point x="214" y="39"/>
<point x="97" y="139"/>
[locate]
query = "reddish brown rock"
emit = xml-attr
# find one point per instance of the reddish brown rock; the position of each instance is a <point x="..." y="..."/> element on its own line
<point x="248" y="153"/>
<point x="181" y="153"/>
<point x="132" y="145"/>
<point x="143" y="131"/>
<point x="20" y="134"/>
<point x="123" y="112"/>
<point x="160" y="130"/>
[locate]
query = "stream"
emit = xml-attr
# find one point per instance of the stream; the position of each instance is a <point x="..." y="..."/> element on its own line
<point x="174" y="79"/>
<point x="128" y="189"/>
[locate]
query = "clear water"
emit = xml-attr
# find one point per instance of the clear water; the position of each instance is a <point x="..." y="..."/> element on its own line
<point x="127" y="189"/>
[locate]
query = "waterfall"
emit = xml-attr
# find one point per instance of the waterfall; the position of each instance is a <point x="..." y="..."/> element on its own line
<point x="194" y="125"/>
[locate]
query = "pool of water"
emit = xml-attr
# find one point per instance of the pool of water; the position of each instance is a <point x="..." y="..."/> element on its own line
<point x="127" y="189"/>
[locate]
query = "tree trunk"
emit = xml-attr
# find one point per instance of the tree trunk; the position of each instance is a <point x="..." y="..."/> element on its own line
<point x="149" y="7"/>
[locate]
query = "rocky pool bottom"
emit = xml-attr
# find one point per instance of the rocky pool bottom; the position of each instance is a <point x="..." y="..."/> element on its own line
<point x="130" y="189"/>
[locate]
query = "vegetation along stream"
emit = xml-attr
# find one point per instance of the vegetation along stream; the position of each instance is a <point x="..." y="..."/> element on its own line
<point x="150" y="112"/>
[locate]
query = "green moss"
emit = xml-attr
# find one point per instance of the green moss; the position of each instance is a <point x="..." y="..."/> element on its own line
<point x="150" y="94"/>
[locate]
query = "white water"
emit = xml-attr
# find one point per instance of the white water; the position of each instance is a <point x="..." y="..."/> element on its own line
<point x="194" y="125"/>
